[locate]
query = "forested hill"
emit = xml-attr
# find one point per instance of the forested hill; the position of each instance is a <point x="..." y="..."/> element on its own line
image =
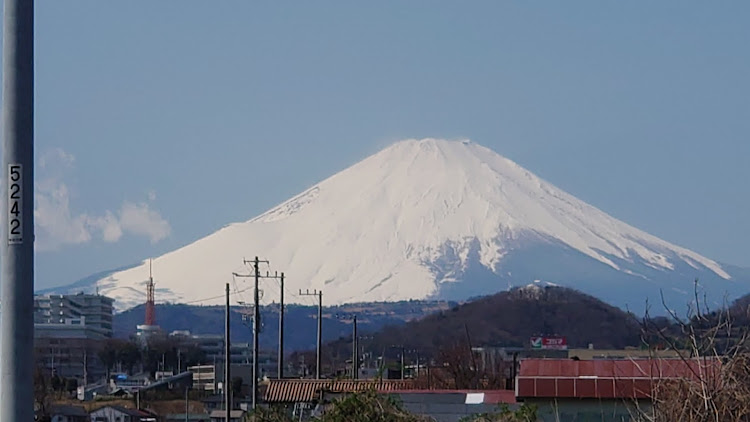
<point x="510" y="318"/>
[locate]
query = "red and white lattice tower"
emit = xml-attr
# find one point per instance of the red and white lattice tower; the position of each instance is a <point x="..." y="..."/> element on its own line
<point x="150" y="311"/>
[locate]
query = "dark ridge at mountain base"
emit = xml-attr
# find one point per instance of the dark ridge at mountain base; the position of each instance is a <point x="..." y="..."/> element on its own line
<point x="300" y="322"/>
<point x="511" y="318"/>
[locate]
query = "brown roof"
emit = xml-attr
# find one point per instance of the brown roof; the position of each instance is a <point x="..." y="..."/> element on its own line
<point x="304" y="390"/>
<point x="627" y="378"/>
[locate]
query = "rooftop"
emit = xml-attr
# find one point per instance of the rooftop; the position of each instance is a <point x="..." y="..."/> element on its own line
<point x="304" y="390"/>
<point x="626" y="378"/>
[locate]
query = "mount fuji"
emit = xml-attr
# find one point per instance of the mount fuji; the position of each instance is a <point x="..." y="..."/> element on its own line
<point x="426" y="219"/>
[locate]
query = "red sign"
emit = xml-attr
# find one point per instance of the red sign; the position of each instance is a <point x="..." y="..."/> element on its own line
<point x="556" y="343"/>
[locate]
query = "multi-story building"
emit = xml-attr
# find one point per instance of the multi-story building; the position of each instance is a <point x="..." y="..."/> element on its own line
<point x="68" y="334"/>
<point x="94" y="311"/>
<point x="70" y="350"/>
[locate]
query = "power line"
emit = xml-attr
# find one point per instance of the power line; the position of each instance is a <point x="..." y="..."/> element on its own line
<point x="213" y="297"/>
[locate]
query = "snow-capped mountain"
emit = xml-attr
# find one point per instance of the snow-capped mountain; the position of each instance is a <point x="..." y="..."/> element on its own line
<point x="428" y="219"/>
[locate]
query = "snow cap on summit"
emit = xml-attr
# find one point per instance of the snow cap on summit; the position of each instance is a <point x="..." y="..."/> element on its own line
<point x="413" y="221"/>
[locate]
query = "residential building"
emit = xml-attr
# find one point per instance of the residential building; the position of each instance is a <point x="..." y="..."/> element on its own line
<point x="64" y="413"/>
<point x="121" y="414"/>
<point x="93" y="311"/>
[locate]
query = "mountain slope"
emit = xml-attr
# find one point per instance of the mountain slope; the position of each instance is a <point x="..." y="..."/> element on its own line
<point x="428" y="219"/>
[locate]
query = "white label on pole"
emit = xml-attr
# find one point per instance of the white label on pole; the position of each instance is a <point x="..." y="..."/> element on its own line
<point x="15" y="199"/>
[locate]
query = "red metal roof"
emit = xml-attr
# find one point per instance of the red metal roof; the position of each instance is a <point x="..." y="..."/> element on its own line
<point x="619" y="368"/>
<point x="627" y="378"/>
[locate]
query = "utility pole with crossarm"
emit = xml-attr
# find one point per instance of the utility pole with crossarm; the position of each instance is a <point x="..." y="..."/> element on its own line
<point x="255" y="263"/>
<point x="319" y="294"/>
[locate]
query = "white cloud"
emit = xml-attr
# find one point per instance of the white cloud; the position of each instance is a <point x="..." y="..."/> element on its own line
<point x="141" y="220"/>
<point x="56" y="225"/>
<point x="109" y="225"/>
<point x="136" y="219"/>
<point x="56" y="159"/>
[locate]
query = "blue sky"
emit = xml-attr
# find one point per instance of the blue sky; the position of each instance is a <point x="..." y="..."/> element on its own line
<point x="160" y="122"/>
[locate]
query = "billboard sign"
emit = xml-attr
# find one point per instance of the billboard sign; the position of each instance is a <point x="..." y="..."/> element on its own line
<point x="549" y="343"/>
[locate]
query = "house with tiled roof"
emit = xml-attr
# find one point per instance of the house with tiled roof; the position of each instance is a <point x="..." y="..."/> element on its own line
<point x="304" y="397"/>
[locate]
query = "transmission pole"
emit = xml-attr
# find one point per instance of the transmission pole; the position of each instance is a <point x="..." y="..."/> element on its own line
<point x="280" y="359"/>
<point x="319" y="294"/>
<point x="227" y="364"/>
<point x="17" y="247"/>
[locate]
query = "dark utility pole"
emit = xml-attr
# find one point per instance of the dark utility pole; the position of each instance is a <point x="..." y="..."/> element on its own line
<point x="320" y="334"/>
<point x="256" y="319"/>
<point x="402" y="349"/>
<point x="355" y="355"/>
<point x="417" y="364"/>
<point x="17" y="245"/>
<point x="403" y="367"/>
<point x="319" y="294"/>
<point x="227" y="363"/>
<point x="256" y="330"/>
<point x="280" y="369"/>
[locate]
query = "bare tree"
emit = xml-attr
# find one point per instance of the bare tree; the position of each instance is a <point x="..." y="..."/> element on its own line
<point x="458" y="368"/>
<point x="42" y="394"/>
<point x="715" y="352"/>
